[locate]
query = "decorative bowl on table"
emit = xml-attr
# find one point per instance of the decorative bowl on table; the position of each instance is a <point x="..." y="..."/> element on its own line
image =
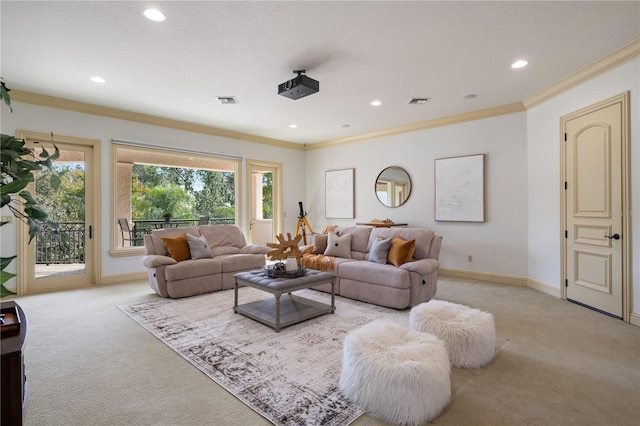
<point x="279" y="270"/>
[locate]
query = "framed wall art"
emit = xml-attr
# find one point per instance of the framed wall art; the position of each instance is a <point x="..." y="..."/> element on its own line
<point x="339" y="201"/>
<point x="459" y="189"/>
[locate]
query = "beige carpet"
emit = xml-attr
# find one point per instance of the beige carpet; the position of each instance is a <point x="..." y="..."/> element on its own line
<point x="290" y="377"/>
<point x="559" y="364"/>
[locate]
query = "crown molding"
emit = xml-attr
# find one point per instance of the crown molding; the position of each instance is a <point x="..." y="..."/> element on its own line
<point x="422" y="125"/>
<point x="609" y="62"/>
<point x="624" y="54"/>
<point x="87" y="108"/>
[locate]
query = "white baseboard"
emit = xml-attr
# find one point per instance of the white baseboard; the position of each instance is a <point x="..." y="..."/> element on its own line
<point x="123" y="278"/>
<point x="634" y="318"/>
<point x="501" y="279"/>
<point x="483" y="276"/>
<point x="545" y="288"/>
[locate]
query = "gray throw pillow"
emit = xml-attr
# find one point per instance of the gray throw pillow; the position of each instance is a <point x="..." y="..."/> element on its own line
<point x="319" y="243"/>
<point x="379" y="250"/>
<point x="338" y="246"/>
<point x="198" y="247"/>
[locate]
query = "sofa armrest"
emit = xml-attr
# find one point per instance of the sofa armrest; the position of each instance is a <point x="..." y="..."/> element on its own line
<point x="422" y="266"/>
<point x="155" y="260"/>
<point x="254" y="249"/>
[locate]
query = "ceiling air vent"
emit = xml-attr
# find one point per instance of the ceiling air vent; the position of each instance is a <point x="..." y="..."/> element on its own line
<point x="419" y="101"/>
<point x="227" y="100"/>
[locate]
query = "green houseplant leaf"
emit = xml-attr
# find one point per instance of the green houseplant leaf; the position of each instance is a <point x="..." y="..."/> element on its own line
<point x="5" y="276"/>
<point x="4" y="94"/>
<point x="18" y="163"/>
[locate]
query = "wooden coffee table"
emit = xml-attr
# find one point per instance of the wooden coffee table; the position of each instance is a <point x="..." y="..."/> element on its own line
<point x="285" y="309"/>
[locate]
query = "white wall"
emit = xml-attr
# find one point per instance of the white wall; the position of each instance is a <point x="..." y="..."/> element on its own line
<point x="498" y="246"/>
<point x="520" y="235"/>
<point x="42" y="119"/>
<point x="543" y="153"/>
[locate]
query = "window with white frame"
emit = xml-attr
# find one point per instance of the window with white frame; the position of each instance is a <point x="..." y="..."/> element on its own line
<point x="157" y="188"/>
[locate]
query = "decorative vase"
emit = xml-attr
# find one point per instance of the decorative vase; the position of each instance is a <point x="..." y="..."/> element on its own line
<point x="292" y="264"/>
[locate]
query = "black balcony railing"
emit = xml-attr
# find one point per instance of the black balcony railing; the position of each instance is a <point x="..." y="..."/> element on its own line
<point x="65" y="246"/>
<point x="146" y="226"/>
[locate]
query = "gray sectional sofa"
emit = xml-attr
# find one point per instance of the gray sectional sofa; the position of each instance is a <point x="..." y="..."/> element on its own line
<point x="383" y="284"/>
<point x="214" y="254"/>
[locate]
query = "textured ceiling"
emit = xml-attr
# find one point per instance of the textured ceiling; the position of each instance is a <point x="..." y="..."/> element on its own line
<point x="358" y="51"/>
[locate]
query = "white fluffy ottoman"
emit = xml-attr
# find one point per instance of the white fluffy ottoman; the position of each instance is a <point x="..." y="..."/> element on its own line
<point x="396" y="374"/>
<point x="470" y="334"/>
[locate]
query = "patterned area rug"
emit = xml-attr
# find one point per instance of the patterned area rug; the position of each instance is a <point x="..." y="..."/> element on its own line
<point x="290" y="377"/>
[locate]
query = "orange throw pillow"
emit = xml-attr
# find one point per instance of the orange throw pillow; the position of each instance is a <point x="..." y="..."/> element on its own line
<point x="401" y="251"/>
<point x="178" y="247"/>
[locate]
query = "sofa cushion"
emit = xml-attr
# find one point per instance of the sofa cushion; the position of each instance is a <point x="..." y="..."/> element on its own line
<point x="223" y="239"/>
<point x="155" y="260"/>
<point x="198" y="247"/>
<point x="338" y="246"/>
<point x="254" y="249"/>
<point x="422" y="266"/>
<point x="241" y="262"/>
<point x="177" y="247"/>
<point x="424" y="238"/>
<point x="359" y="238"/>
<point x="436" y="244"/>
<point x="319" y="243"/>
<point x="380" y="250"/>
<point x="156" y="237"/>
<point x="192" y="268"/>
<point x="401" y="251"/>
<point x="374" y="273"/>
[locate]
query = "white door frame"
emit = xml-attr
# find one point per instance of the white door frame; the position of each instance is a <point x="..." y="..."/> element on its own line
<point x="623" y="99"/>
<point x="22" y="265"/>
<point x="276" y="169"/>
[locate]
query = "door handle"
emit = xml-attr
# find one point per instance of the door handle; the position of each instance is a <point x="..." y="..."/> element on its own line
<point x="613" y="237"/>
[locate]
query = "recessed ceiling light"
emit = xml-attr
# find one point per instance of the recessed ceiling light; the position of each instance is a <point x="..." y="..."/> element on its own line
<point x="376" y="103"/>
<point x="519" y="63"/>
<point x="154" y="15"/>
<point x="97" y="79"/>
<point x="293" y="126"/>
<point x="469" y="97"/>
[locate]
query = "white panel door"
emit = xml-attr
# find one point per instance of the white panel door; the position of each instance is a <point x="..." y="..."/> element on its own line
<point x="594" y="208"/>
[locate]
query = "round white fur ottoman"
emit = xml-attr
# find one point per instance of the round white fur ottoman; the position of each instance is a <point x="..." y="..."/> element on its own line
<point x="396" y="374"/>
<point x="469" y="334"/>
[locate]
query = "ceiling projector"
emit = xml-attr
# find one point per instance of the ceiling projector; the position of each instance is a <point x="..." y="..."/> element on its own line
<point x="298" y="87"/>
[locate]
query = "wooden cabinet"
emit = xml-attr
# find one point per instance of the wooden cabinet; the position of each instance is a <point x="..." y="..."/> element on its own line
<point x="13" y="380"/>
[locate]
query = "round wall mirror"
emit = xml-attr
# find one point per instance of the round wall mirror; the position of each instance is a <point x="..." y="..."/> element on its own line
<point x="393" y="186"/>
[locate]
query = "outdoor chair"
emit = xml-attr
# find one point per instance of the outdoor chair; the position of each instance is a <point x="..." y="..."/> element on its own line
<point x="127" y="234"/>
<point x="204" y="220"/>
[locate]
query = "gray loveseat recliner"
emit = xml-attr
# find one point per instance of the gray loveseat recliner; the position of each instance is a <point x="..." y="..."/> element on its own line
<point x="229" y="254"/>
<point x="383" y="284"/>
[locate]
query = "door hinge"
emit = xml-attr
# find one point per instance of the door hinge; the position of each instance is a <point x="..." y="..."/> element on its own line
<point x="565" y="137"/>
<point x="565" y="185"/>
<point x="566" y="282"/>
<point x="90" y="232"/>
<point x="566" y="234"/>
